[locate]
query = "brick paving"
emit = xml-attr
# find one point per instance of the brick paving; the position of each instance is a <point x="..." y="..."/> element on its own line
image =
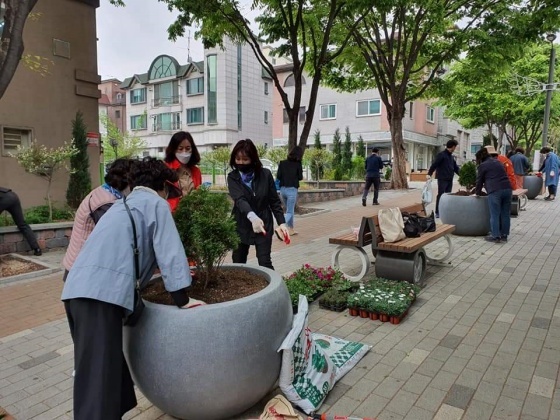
<point x="482" y="340"/>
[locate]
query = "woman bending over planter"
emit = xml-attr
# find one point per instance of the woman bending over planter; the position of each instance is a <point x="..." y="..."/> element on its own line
<point x="99" y="290"/>
<point x="255" y="203"/>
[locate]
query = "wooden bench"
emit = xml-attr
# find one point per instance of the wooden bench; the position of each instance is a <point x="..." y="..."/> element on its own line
<point x="518" y="200"/>
<point x="403" y="260"/>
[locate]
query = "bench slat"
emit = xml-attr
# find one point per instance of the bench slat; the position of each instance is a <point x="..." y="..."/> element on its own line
<point x="519" y="191"/>
<point x="409" y="245"/>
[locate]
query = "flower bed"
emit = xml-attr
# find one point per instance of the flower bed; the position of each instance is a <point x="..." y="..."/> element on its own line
<point x="312" y="282"/>
<point x="386" y="300"/>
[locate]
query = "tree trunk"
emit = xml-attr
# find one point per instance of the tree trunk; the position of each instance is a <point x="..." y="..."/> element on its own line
<point x="49" y="201"/>
<point x="293" y="119"/>
<point x="398" y="174"/>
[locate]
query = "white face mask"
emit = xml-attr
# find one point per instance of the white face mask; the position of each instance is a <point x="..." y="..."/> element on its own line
<point x="183" y="157"/>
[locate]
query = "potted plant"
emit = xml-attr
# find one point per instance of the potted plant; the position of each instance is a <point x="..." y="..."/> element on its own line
<point x="334" y="300"/>
<point x="469" y="214"/>
<point x="218" y="360"/>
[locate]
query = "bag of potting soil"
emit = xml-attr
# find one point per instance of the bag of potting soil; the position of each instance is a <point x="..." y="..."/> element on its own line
<point x="312" y="363"/>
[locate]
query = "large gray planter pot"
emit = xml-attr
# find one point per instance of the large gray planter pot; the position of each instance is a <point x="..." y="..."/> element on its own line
<point x="469" y="214"/>
<point x="212" y="362"/>
<point x="533" y="184"/>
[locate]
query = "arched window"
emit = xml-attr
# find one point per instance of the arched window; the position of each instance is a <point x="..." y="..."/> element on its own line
<point x="290" y="81"/>
<point x="163" y="66"/>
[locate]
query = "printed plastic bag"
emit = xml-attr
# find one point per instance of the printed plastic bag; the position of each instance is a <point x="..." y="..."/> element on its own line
<point x="427" y="194"/>
<point x="391" y="224"/>
<point x="312" y="363"/>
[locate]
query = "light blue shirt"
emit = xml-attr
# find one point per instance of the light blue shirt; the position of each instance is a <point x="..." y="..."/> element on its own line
<point x="104" y="269"/>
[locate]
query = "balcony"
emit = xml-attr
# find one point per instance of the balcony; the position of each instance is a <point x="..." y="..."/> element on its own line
<point x="171" y="100"/>
<point x="166" y="126"/>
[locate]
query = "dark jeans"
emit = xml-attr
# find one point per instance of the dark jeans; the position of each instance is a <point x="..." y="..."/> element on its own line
<point x="443" y="186"/>
<point x="9" y="201"/>
<point x="552" y="190"/>
<point x="499" y="203"/>
<point x="376" y="181"/>
<point x="263" y="253"/>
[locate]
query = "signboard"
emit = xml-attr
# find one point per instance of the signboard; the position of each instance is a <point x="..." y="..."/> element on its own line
<point x="92" y="139"/>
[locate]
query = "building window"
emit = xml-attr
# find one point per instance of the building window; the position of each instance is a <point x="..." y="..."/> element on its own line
<point x="266" y="117"/>
<point x="167" y="121"/>
<point x="266" y="88"/>
<point x="410" y="110"/>
<point x="195" y="116"/>
<point x="328" y="112"/>
<point x="285" y="118"/>
<point x="163" y="67"/>
<point x="430" y="114"/>
<point x="117" y="113"/>
<point x="367" y="108"/>
<point x="290" y="81"/>
<point x="14" y="137"/>
<point x="195" y="86"/>
<point x="119" y="97"/>
<point x="212" y="67"/>
<point x="166" y="93"/>
<point x="138" y="96"/>
<point x="138" y="122"/>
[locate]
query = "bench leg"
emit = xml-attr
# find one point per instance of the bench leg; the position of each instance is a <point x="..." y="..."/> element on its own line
<point x="515" y="206"/>
<point x="401" y="266"/>
<point x="363" y="258"/>
<point x="523" y="200"/>
<point x="442" y="261"/>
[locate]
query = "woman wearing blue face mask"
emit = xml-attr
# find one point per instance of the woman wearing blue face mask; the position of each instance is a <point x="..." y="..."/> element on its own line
<point x="182" y="156"/>
<point x="256" y="202"/>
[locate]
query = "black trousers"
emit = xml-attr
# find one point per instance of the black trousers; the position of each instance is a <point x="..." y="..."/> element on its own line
<point x="443" y="186"/>
<point x="263" y="248"/>
<point x="9" y="201"/>
<point x="103" y="387"/>
<point x="376" y="181"/>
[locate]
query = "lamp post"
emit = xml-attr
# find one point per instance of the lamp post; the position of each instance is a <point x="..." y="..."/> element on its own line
<point x="549" y="88"/>
<point x="114" y="144"/>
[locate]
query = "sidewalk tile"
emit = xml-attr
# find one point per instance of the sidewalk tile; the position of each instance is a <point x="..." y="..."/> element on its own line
<point x="447" y="412"/>
<point x="542" y="386"/>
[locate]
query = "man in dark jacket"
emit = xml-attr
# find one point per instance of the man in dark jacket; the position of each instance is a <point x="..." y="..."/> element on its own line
<point x="9" y="201"/>
<point x="520" y="165"/>
<point x="374" y="164"/>
<point x="445" y="166"/>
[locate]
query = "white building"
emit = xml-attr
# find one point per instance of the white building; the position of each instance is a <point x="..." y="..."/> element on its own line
<point x="225" y="98"/>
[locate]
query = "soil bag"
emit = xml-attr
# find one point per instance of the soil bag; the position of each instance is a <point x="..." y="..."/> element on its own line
<point x="312" y="363"/>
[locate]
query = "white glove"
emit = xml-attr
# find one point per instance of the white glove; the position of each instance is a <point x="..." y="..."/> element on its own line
<point x="552" y="174"/>
<point x="193" y="303"/>
<point x="282" y="233"/>
<point x="256" y="221"/>
<point x="428" y="177"/>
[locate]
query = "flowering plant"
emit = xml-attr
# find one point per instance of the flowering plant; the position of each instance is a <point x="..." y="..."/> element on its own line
<point x="384" y="296"/>
<point x="311" y="281"/>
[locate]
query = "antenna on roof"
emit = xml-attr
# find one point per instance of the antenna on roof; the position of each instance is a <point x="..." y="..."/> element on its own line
<point x="189" y="59"/>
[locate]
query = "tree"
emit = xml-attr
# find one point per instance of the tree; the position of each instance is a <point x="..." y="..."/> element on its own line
<point x="346" y="161"/>
<point x="276" y="154"/>
<point x="79" y="184"/>
<point x="318" y="159"/>
<point x="117" y="144"/>
<point x="360" y="147"/>
<point x="219" y="158"/>
<point x="15" y="14"/>
<point x="317" y="139"/>
<point x="43" y="162"/>
<point x="298" y="29"/>
<point x="337" y="155"/>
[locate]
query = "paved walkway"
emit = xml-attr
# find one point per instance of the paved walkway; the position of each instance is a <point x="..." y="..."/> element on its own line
<point x="482" y="341"/>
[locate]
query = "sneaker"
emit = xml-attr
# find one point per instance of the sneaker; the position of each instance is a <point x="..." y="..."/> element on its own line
<point x="492" y="239"/>
<point x="363" y="202"/>
<point x="37" y="252"/>
<point x="375" y="203"/>
<point x="503" y="238"/>
<point x="547" y="198"/>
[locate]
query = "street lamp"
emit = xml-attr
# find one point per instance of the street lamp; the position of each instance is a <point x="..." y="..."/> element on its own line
<point x="549" y="88"/>
<point x="114" y="144"/>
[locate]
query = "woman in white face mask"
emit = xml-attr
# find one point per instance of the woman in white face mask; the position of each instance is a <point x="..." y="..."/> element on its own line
<point x="182" y="156"/>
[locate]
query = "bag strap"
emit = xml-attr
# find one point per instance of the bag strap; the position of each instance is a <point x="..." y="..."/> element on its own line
<point x="135" y="249"/>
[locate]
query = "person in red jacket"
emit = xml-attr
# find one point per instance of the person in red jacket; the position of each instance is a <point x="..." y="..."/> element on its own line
<point x="508" y="165"/>
<point x="182" y="156"/>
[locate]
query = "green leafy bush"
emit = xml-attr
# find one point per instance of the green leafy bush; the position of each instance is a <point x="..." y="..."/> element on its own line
<point x="384" y="296"/>
<point x="39" y="215"/>
<point x="207" y="230"/>
<point x="467" y="175"/>
<point x="388" y="173"/>
<point x="309" y="281"/>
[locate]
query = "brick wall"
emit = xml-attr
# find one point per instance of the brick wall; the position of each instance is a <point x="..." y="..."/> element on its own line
<point x="49" y="236"/>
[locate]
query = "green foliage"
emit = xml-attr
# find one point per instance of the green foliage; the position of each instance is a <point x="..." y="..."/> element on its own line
<point x="388" y="173"/>
<point x="309" y="281"/>
<point x="117" y="144"/>
<point x="79" y="184"/>
<point x="334" y="298"/>
<point x="337" y="150"/>
<point x="261" y="150"/>
<point x="219" y="158"/>
<point x="489" y="140"/>
<point x="318" y="159"/>
<point x="467" y="175"/>
<point x="361" y="147"/>
<point x="317" y="139"/>
<point x="44" y="162"/>
<point x="276" y="154"/>
<point x="207" y="230"/>
<point x="358" y="167"/>
<point x="346" y="161"/>
<point x="39" y="215"/>
<point x="384" y="296"/>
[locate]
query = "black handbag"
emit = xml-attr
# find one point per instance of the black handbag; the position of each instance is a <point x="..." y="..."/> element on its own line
<point x="428" y="223"/>
<point x="412" y="228"/>
<point x="132" y="318"/>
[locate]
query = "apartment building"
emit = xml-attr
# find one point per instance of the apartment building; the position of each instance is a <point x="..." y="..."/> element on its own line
<point x="112" y="104"/>
<point x="42" y="106"/>
<point x="219" y="100"/>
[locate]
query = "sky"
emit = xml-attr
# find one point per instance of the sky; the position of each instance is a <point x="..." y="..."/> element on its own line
<point x="129" y="38"/>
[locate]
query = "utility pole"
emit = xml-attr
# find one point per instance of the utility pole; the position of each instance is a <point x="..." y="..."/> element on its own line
<point x="550" y="86"/>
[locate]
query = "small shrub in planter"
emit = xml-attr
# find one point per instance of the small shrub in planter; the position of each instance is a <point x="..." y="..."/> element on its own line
<point x="334" y="300"/>
<point x="467" y="176"/>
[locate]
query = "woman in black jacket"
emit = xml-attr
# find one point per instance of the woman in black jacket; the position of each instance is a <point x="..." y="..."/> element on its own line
<point x="255" y="202"/>
<point x="289" y="174"/>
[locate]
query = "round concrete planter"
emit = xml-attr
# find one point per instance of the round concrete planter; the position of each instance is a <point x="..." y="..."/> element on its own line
<point x="212" y="362"/>
<point x="469" y="214"/>
<point x="532" y="183"/>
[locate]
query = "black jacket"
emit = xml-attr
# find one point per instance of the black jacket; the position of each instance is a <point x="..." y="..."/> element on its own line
<point x="289" y="173"/>
<point x="445" y="166"/>
<point x="492" y="174"/>
<point x="374" y="164"/>
<point x="261" y="199"/>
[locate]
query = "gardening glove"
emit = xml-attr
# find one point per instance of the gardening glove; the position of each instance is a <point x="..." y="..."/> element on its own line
<point x="193" y="303"/>
<point x="282" y="233"/>
<point x="256" y="221"/>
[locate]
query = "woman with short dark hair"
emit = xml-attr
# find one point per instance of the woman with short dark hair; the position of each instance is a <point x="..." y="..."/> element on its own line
<point x="182" y="156"/>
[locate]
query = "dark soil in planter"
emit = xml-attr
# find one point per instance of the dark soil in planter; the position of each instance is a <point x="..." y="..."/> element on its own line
<point x="465" y="193"/>
<point x="12" y="266"/>
<point x="232" y="284"/>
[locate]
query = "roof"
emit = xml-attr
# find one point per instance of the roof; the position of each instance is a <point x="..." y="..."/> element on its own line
<point x="182" y="71"/>
<point x="104" y="100"/>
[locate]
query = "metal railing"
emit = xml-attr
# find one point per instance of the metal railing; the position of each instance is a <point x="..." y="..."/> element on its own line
<point x="172" y="100"/>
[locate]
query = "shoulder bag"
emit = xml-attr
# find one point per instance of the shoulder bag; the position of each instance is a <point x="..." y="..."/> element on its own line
<point x="391" y="224"/>
<point x="132" y="318"/>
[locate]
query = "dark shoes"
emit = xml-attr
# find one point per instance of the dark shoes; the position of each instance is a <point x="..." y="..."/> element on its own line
<point x="503" y="238"/>
<point x="492" y="239"/>
<point x="375" y="203"/>
<point x="437" y="215"/>
<point x="37" y="252"/>
<point x="363" y="202"/>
